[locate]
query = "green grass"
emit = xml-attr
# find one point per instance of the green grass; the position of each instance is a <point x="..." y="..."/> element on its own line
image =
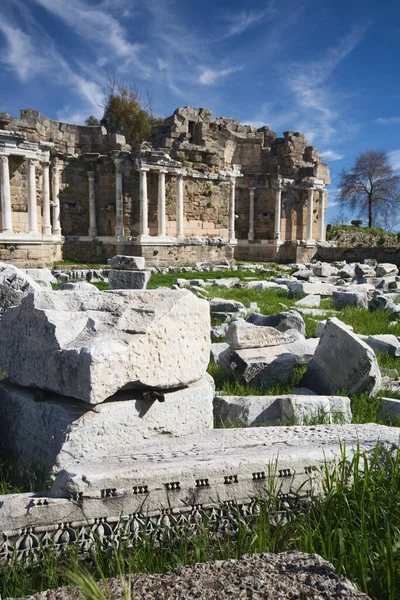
<point x="355" y="525"/>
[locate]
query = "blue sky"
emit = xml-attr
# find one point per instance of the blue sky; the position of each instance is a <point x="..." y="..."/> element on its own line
<point x="329" y="68"/>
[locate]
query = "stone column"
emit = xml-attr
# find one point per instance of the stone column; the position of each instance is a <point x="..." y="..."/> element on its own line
<point x="46" y="198"/>
<point x="56" y="198"/>
<point x="251" y="214"/>
<point x="231" y="230"/>
<point x="179" y="206"/>
<point x="119" y="200"/>
<point x="161" y="202"/>
<point x="92" y="205"/>
<point x="321" y="218"/>
<point x="32" y="207"/>
<point x="310" y="216"/>
<point x="5" y="196"/>
<point x="278" y="210"/>
<point x="144" y="224"/>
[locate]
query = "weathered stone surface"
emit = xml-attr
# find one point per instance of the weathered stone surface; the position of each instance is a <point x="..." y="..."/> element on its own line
<point x="90" y="345"/>
<point x="131" y="263"/>
<point x="242" y="334"/>
<point x="324" y="270"/>
<point x="384" y="344"/>
<point x="347" y="272"/>
<point x="303" y="349"/>
<point x="250" y="411"/>
<point x="385" y="269"/>
<point x="265" y="285"/>
<point x="120" y="279"/>
<point x="321" y="326"/>
<point x="349" y="298"/>
<point x="79" y="286"/>
<point x="55" y="431"/>
<point x="299" y="288"/>
<point x="342" y="362"/>
<point x="390" y="410"/>
<point x="43" y="277"/>
<point x="281" y="321"/>
<point x="217" y="349"/>
<point x="219" y="305"/>
<point x="364" y="271"/>
<point x="14" y="285"/>
<point x="310" y="301"/>
<point x="259" y="367"/>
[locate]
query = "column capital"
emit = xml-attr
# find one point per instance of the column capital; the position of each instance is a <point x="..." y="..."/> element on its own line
<point x="45" y="163"/>
<point x="144" y="169"/>
<point x="32" y="162"/>
<point x="163" y="171"/>
<point x="119" y="165"/>
<point x="279" y="183"/>
<point x="4" y="159"/>
<point x="90" y="174"/>
<point x="56" y="165"/>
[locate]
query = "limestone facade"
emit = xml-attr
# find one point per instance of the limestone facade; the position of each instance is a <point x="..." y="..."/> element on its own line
<point x="204" y="188"/>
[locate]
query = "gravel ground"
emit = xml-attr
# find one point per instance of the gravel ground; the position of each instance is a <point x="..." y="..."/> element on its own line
<point x="290" y="575"/>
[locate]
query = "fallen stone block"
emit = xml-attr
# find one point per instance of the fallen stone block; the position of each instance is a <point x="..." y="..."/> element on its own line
<point x="299" y="288"/>
<point x="219" y="305"/>
<point x="282" y="321"/>
<point x="364" y="271"/>
<point x="265" y="285"/>
<point x="217" y="349"/>
<point x="250" y="411"/>
<point x="79" y="286"/>
<point x="303" y="349"/>
<point x="303" y="274"/>
<point x="259" y="367"/>
<point x="90" y="345"/>
<point x="130" y="263"/>
<point x="347" y="272"/>
<point x="121" y="279"/>
<point x="50" y="432"/>
<point x="310" y="301"/>
<point x="242" y="334"/>
<point x="385" y="269"/>
<point x="384" y="344"/>
<point x="14" y="285"/>
<point x="324" y="270"/>
<point x="342" y="363"/>
<point x="43" y="277"/>
<point x="321" y="326"/>
<point x="349" y="298"/>
<point x="390" y="409"/>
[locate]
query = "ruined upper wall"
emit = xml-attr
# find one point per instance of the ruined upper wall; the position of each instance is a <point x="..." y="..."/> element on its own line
<point x="68" y="139"/>
<point x="193" y="135"/>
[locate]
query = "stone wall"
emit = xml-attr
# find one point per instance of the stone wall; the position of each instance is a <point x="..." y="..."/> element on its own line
<point x="382" y="255"/>
<point x="31" y="255"/>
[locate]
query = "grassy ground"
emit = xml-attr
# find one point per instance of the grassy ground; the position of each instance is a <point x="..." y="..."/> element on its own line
<point x="355" y="525"/>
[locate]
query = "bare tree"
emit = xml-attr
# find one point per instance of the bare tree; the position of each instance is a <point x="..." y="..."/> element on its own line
<point x="371" y="188"/>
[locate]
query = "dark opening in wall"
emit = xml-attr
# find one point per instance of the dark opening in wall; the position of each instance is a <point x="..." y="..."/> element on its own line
<point x="191" y="127"/>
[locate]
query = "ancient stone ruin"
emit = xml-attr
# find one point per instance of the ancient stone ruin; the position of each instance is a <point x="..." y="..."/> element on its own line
<point x="204" y="189"/>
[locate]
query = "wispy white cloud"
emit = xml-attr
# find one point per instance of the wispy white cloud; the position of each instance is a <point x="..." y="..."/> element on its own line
<point x="387" y="120"/>
<point x="209" y="76"/>
<point x="20" y="54"/>
<point x="330" y="155"/>
<point x="239" y="22"/>
<point x="394" y="159"/>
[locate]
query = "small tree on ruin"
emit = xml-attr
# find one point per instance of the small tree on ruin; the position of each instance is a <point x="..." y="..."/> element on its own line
<point x="371" y="188"/>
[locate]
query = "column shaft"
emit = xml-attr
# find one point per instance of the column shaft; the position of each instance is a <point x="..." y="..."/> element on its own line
<point x="179" y="206"/>
<point x="5" y="196"/>
<point x="278" y="210"/>
<point x="144" y="224"/>
<point x="321" y="222"/>
<point x="251" y="214"/>
<point x="56" y="198"/>
<point x="310" y="215"/>
<point x="119" y="201"/>
<point x="32" y="208"/>
<point x="92" y="205"/>
<point x="231" y="230"/>
<point x="161" y="203"/>
<point x="46" y="199"/>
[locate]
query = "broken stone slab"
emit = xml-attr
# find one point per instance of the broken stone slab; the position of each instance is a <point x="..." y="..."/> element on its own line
<point x="385" y="269"/>
<point x="14" y="285"/>
<point x="310" y="301"/>
<point x="303" y="274"/>
<point x="321" y="326"/>
<point x="43" y="277"/>
<point x="283" y="321"/>
<point x="90" y="345"/>
<point x="364" y="271"/>
<point x="121" y="279"/>
<point x="217" y="349"/>
<point x="324" y="270"/>
<point x="390" y="409"/>
<point x="265" y="285"/>
<point x="79" y="286"/>
<point x="242" y="334"/>
<point x="219" y="305"/>
<point x="250" y="411"/>
<point x="130" y="263"/>
<point x="342" y="363"/>
<point x="258" y="367"/>
<point x="303" y="349"/>
<point x="347" y="272"/>
<point x="299" y="288"/>
<point x="384" y="344"/>
<point x="342" y="299"/>
<point x="51" y="431"/>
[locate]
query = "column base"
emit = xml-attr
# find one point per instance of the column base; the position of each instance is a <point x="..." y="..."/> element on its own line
<point x="143" y="237"/>
<point x="92" y="233"/>
<point x="34" y="234"/>
<point x="310" y="243"/>
<point x="232" y="241"/>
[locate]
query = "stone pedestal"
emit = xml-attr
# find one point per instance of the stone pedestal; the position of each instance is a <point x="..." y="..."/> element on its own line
<point x="50" y="432"/>
<point x="128" y="273"/>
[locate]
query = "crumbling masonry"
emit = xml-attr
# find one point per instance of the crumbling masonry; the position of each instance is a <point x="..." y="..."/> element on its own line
<point x="203" y="189"/>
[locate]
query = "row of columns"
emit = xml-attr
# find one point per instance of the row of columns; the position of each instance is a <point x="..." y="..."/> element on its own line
<point x="6" y="209"/>
<point x="278" y="209"/>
